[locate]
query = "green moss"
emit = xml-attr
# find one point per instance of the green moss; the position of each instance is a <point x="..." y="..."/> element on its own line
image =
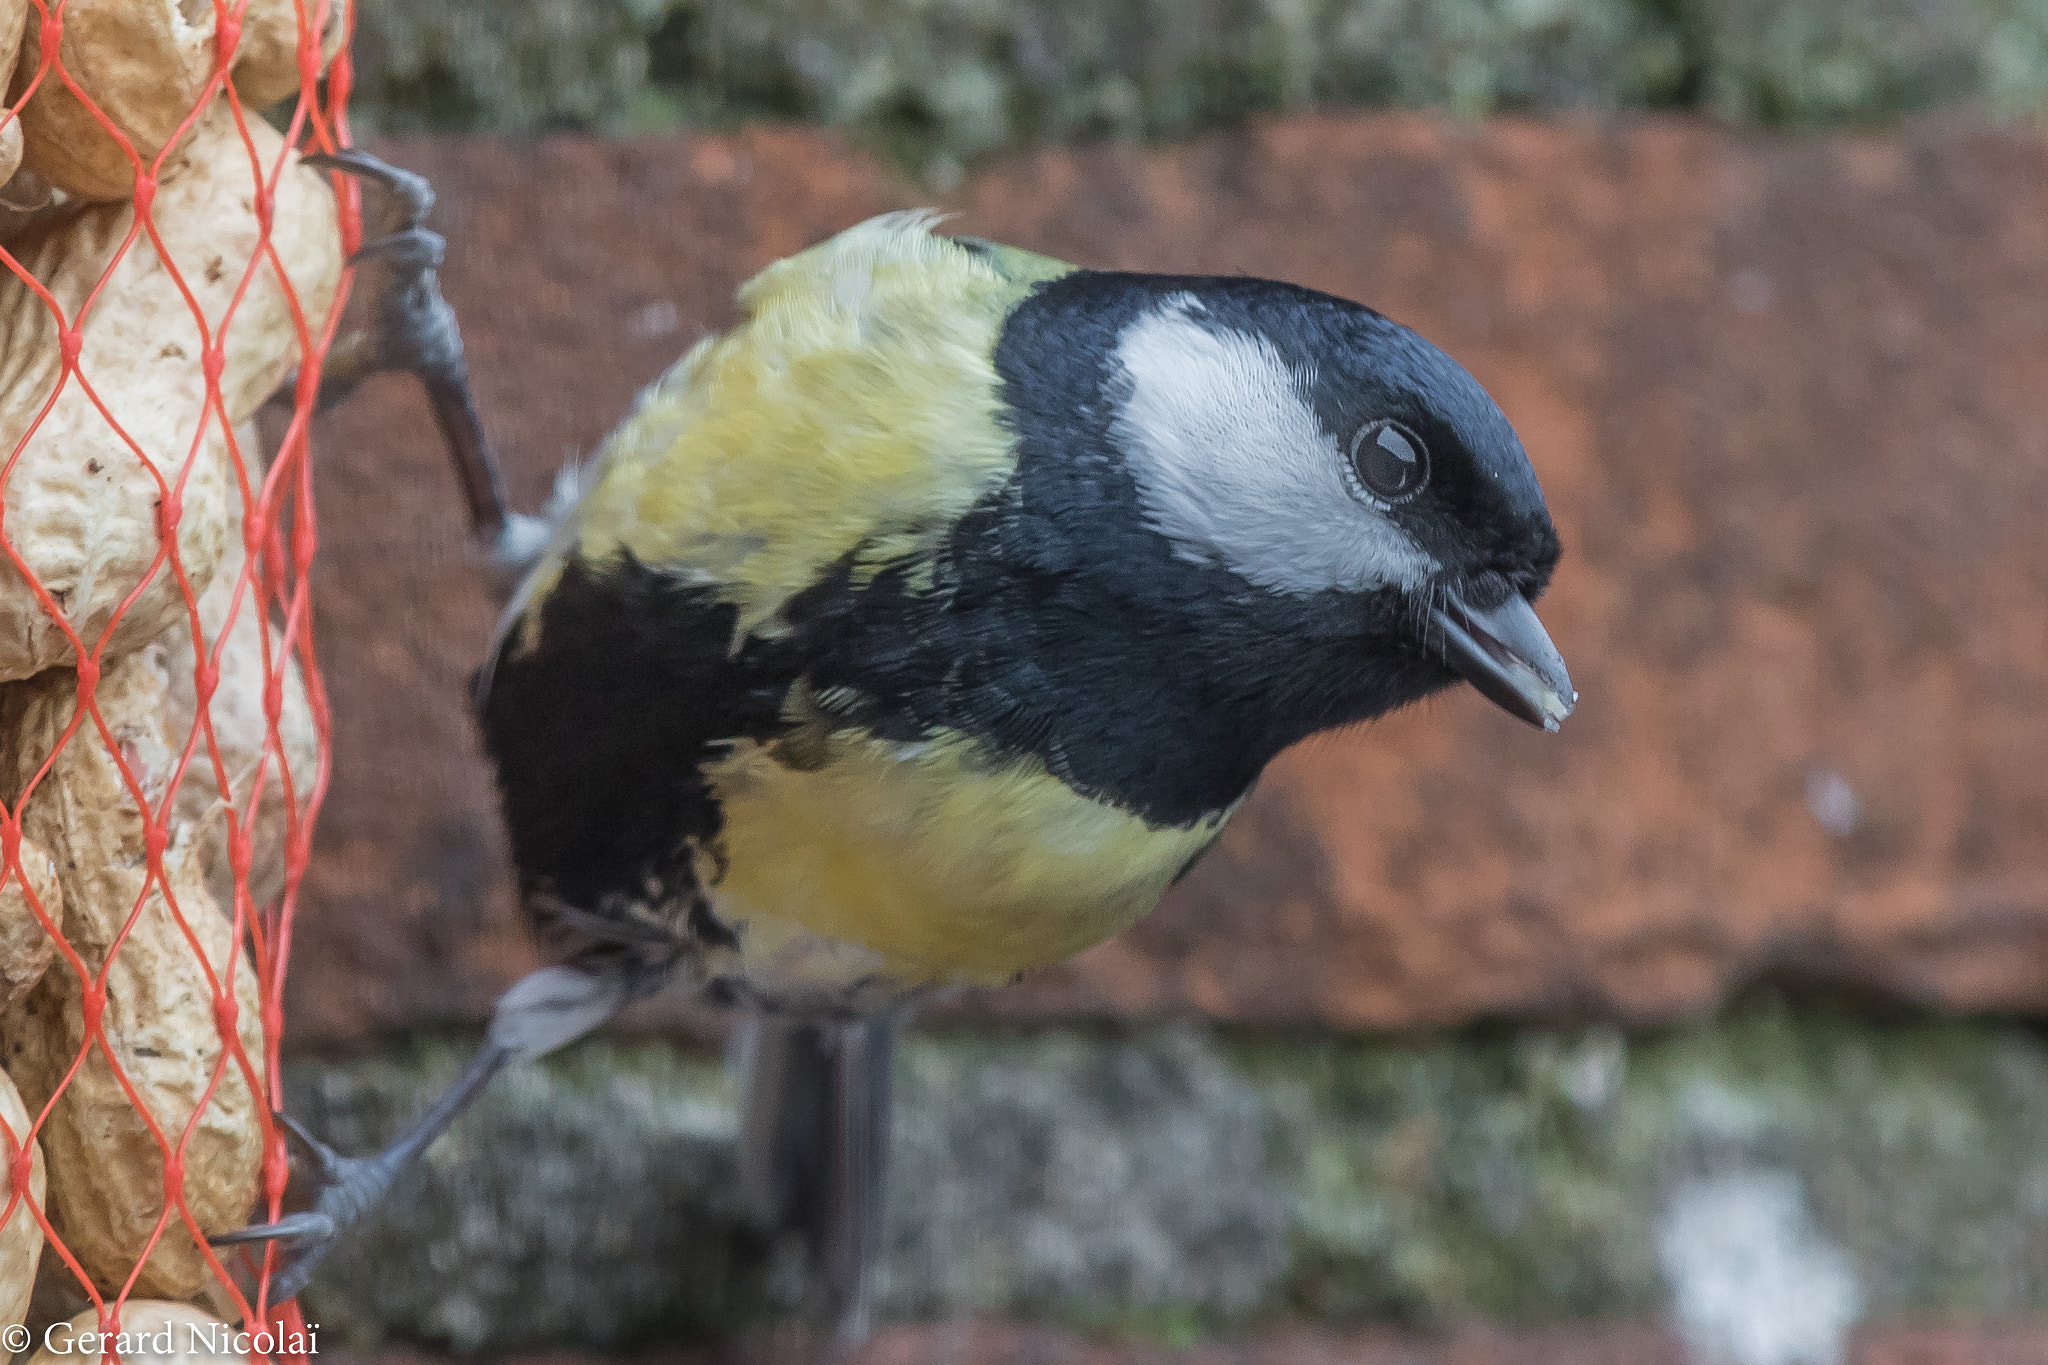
<point x="1835" y="61"/>
<point x="1173" y="1184"/>
<point x="938" y="83"/>
<point x="1494" y="1176"/>
<point x="529" y="1223"/>
<point x="1521" y="1178"/>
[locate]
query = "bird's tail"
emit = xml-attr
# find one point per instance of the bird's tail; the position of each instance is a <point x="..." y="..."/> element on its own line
<point x="814" y="1145"/>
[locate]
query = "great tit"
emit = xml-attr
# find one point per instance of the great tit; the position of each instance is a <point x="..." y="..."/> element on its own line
<point x="925" y="627"/>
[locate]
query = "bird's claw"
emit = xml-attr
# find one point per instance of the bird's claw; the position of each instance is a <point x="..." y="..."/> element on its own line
<point x="414" y="330"/>
<point x="408" y="249"/>
<point x="327" y="1166"/>
<point x="292" y="1230"/>
<point x="344" y="1189"/>
<point x="412" y="194"/>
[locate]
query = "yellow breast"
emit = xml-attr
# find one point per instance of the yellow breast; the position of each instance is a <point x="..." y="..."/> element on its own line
<point x="945" y="864"/>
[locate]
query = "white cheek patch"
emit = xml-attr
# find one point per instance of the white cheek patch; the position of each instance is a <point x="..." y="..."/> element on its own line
<point x="1232" y="466"/>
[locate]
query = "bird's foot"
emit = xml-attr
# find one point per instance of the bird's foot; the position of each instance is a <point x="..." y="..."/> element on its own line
<point x="415" y="331"/>
<point x="344" y="1190"/>
<point x="412" y="194"/>
<point x="537" y="1014"/>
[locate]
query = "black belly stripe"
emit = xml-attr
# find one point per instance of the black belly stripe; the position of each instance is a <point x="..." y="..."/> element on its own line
<point x="601" y="730"/>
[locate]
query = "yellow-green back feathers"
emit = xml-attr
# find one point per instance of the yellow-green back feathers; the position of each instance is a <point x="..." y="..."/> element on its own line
<point x="855" y="403"/>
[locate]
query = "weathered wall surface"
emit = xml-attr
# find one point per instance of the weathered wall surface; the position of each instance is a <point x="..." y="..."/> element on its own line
<point x="1774" y="1181"/>
<point x="938" y="83"/>
<point x="1789" y="401"/>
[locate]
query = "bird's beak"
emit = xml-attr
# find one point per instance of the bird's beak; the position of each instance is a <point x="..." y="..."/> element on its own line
<point x="1505" y="653"/>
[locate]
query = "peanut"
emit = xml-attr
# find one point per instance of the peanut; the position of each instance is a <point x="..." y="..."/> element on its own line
<point x="145" y="63"/>
<point x="21" y="1240"/>
<point x="25" y="945"/>
<point x="106" y="1169"/>
<point x="80" y="507"/>
<point x="241" y="730"/>
<point x="267" y="59"/>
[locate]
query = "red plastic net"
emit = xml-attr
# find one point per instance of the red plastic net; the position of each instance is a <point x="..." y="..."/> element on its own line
<point x="163" y="733"/>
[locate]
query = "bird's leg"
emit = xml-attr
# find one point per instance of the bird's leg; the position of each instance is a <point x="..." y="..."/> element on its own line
<point x="537" y="1014"/>
<point x="815" y="1146"/>
<point x="414" y="330"/>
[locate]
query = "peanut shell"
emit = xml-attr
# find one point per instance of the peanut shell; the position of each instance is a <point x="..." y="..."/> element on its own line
<point x="241" y="730"/>
<point x="81" y="507"/>
<point x="267" y="58"/>
<point x="10" y="149"/>
<point x="106" y="1170"/>
<point x="25" y="946"/>
<point x="145" y="63"/>
<point x="21" y="1240"/>
<point x="13" y="25"/>
<point x="13" y="15"/>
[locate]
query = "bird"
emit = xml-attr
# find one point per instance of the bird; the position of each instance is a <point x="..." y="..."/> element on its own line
<point x="920" y="631"/>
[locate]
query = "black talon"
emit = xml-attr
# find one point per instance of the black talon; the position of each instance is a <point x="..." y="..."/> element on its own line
<point x="345" y="1188"/>
<point x="304" y="1238"/>
<point x="325" y="1163"/>
<point x="410" y="190"/>
<point x="292" y="1228"/>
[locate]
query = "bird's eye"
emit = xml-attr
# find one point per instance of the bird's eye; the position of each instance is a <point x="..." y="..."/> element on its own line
<point x="1390" y="460"/>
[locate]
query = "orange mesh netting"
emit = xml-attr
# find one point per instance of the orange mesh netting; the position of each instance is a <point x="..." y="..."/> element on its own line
<point x="163" y="731"/>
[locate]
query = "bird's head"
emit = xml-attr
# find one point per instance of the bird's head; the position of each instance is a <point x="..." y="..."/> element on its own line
<point x="1346" y="509"/>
